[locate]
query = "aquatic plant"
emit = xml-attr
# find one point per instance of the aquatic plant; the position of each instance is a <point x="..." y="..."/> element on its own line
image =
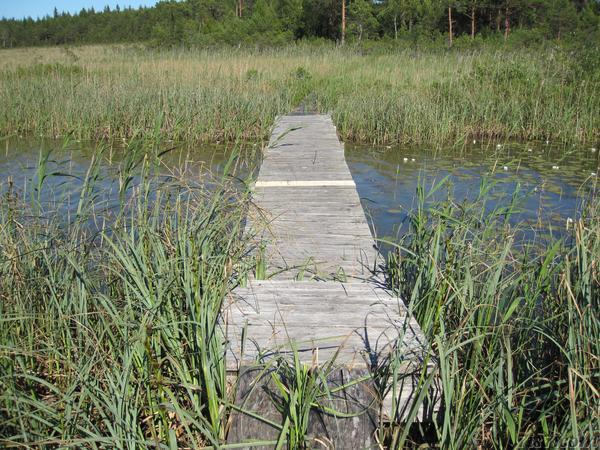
<point x="514" y="325"/>
<point x="427" y="97"/>
<point x="109" y="334"/>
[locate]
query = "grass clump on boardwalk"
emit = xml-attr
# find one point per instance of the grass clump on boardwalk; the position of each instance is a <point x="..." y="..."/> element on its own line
<point x="515" y="327"/>
<point x="109" y="334"/>
<point x="430" y="96"/>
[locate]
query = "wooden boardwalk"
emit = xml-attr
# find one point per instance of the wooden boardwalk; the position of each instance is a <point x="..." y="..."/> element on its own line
<point x="310" y="214"/>
<point x="323" y="295"/>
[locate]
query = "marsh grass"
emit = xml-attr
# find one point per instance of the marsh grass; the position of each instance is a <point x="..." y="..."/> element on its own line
<point x="435" y="98"/>
<point x="428" y="97"/>
<point x="121" y="93"/>
<point x="514" y="327"/>
<point x="110" y="337"/>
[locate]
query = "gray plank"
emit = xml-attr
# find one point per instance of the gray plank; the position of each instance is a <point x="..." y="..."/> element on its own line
<point x="355" y="430"/>
<point x="315" y="228"/>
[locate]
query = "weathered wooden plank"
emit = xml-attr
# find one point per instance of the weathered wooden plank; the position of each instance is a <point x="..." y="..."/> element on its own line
<point x="258" y="393"/>
<point x="304" y="183"/>
<point x="263" y="287"/>
<point x="310" y="224"/>
<point x="300" y="192"/>
<point x="284" y="314"/>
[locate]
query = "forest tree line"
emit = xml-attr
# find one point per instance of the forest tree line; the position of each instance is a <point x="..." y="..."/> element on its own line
<point x="268" y="22"/>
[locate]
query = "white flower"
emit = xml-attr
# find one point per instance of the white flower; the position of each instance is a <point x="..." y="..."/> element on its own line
<point x="404" y="159"/>
<point x="555" y="167"/>
<point x="505" y="167"/>
<point x="569" y="222"/>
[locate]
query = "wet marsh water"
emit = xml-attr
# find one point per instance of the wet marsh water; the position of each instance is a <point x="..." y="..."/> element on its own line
<point x="67" y="165"/>
<point x="552" y="182"/>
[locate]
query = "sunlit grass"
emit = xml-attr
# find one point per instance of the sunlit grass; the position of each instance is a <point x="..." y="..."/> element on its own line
<point x="109" y="321"/>
<point x="514" y="327"/>
<point x="110" y="337"/>
<point x="214" y="95"/>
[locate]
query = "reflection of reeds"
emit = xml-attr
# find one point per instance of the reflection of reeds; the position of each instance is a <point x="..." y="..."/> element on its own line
<point x="401" y="96"/>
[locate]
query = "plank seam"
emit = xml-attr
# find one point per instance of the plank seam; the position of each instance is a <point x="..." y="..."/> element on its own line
<point x="305" y="183"/>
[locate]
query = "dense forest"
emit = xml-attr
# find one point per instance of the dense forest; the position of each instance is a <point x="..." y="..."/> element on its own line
<point x="268" y="22"/>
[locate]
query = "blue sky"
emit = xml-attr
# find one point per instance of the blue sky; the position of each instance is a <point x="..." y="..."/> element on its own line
<point x="40" y="8"/>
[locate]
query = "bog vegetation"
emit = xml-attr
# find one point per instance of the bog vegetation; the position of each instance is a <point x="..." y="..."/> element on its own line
<point x="428" y="96"/>
<point x="110" y="334"/>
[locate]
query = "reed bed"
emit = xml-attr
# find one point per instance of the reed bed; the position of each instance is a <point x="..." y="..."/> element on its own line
<point x="104" y="93"/>
<point x="453" y="97"/>
<point x="109" y="323"/>
<point x="430" y="97"/>
<point x="513" y="325"/>
<point x="109" y="319"/>
<point x="110" y="331"/>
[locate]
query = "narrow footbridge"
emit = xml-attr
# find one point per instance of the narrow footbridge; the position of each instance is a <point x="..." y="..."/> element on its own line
<point x="319" y="294"/>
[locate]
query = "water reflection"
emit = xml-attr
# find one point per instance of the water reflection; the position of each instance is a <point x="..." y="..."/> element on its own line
<point x="68" y="163"/>
<point x="552" y="181"/>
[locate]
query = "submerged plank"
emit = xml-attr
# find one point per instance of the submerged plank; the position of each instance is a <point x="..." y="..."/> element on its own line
<point x="354" y="428"/>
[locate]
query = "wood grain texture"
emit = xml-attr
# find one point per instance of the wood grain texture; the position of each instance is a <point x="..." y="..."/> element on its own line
<point x="257" y="394"/>
<point x="308" y="214"/>
<point x="324" y="297"/>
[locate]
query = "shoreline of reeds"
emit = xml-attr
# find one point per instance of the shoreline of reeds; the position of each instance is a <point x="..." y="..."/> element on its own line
<point x="417" y="97"/>
<point x="514" y="326"/>
<point x="111" y="337"/>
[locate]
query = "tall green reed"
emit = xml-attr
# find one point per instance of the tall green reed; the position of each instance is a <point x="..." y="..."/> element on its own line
<point x="514" y="327"/>
<point x="426" y="97"/>
<point x="110" y="337"/>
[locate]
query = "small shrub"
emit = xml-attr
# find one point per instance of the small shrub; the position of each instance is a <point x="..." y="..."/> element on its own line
<point x="251" y="74"/>
<point x="302" y="74"/>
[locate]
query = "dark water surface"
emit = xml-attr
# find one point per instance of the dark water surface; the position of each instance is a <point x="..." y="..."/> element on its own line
<point x="552" y="181"/>
<point x="67" y="165"/>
